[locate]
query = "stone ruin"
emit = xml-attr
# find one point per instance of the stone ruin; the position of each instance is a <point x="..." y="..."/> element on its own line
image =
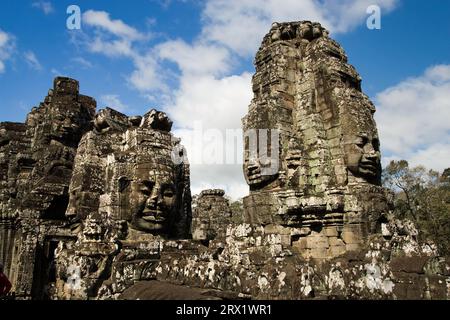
<point x="36" y="159"/>
<point x="326" y="195"/>
<point x="98" y="205"/>
<point x="211" y="215"/>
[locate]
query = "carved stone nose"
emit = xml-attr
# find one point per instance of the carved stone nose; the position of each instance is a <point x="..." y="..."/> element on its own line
<point x="151" y="204"/>
<point x="369" y="150"/>
<point x="153" y="199"/>
<point x="372" y="154"/>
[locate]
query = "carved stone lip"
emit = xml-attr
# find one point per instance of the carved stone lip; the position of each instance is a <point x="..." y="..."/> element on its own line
<point x="369" y="168"/>
<point x="153" y="216"/>
<point x="153" y="219"/>
<point x="254" y="177"/>
<point x="369" y="165"/>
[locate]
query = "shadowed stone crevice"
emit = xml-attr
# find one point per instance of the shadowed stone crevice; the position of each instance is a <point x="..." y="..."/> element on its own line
<point x="57" y="208"/>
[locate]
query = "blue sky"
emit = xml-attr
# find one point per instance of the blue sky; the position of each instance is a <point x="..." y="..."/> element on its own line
<point x="193" y="59"/>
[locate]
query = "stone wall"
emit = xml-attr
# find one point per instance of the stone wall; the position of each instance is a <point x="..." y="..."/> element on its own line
<point x="326" y="193"/>
<point x="256" y="263"/>
<point x="129" y="195"/>
<point x="98" y="206"/>
<point x="211" y="216"/>
<point x="36" y="167"/>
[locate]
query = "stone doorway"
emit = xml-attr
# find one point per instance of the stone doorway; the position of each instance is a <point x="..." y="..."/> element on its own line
<point x="45" y="268"/>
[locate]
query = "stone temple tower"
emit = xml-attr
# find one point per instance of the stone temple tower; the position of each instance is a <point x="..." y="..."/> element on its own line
<point x="325" y="194"/>
<point x="98" y="205"/>
<point x="36" y="162"/>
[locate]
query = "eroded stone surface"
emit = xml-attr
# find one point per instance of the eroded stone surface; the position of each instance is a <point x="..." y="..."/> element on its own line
<point x="98" y="206"/>
<point x="37" y="166"/>
<point x="143" y="200"/>
<point x="327" y="189"/>
<point x="211" y="216"/>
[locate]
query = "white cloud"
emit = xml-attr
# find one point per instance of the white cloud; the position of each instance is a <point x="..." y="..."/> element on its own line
<point x="227" y="177"/>
<point x="102" y="20"/>
<point x="241" y="24"/>
<point x="196" y="59"/>
<point x="113" y="101"/>
<point x="413" y="118"/>
<point x="435" y="156"/>
<point x="32" y="60"/>
<point x="147" y="76"/>
<point x="44" y="6"/>
<point x="4" y="38"/>
<point x="216" y="102"/>
<point x="56" y="72"/>
<point x="116" y="39"/>
<point x="113" y="38"/>
<point x="213" y="103"/>
<point x="7" y="47"/>
<point x="86" y="64"/>
<point x="208" y="91"/>
<point x="439" y="73"/>
<point x="113" y="48"/>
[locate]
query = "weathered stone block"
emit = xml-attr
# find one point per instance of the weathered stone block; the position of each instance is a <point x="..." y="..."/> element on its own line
<point x="409" y="264"/>
<point x="318" y="253"/>
<point x="317" y="241"/>
<point x="336" y="242"/>
<point x="353" y="247"/>
<point x="301" y="244"/>
<point x="337" y="250"/>
<point x="330" y="231"/>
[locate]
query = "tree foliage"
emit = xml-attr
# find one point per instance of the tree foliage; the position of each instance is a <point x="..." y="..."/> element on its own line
<point x="423" y="196"/>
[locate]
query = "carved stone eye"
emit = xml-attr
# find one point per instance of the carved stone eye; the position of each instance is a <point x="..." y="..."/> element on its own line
<point x="361" y="142"/>
<point x="123" y="184"/>
<point x="168" y="191"/>
<point x="146" y="187"/>
<point x="168" y="194"/>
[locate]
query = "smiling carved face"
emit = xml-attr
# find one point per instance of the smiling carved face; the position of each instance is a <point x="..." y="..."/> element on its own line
<point x="362" y="155"/>
<point x="153" y="197"/>
<point x="255" y="171"/>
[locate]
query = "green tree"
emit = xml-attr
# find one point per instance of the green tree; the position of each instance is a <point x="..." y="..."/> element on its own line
<point x="423" y="196"/>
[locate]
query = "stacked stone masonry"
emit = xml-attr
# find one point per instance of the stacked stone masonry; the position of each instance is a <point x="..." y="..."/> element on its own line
<point x="98" y="205"/>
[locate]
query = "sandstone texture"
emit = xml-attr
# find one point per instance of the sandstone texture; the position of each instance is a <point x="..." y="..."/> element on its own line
<point x="97" y="205"/>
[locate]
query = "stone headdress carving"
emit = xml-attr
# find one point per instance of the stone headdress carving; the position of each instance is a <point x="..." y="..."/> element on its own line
<point x="125" y="171"/>
<point x="328" y="153"/>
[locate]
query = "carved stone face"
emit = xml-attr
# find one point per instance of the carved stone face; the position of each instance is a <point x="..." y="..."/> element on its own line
<point x="306" y="30"/>
<point x="65" y="125"/>
<point x="81" y="203"/>
<point x="255" y="175"/>
<point x="317" y="30"/>
<point x="100" y="122"/>
<point x="157" y="120"/>
<point x="153" y="199"/>
<point x="362" y="155"/>
<point x="261" y="158"/>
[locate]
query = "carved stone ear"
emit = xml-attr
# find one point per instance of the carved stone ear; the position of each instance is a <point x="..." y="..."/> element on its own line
<point x="124" y="183"/>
